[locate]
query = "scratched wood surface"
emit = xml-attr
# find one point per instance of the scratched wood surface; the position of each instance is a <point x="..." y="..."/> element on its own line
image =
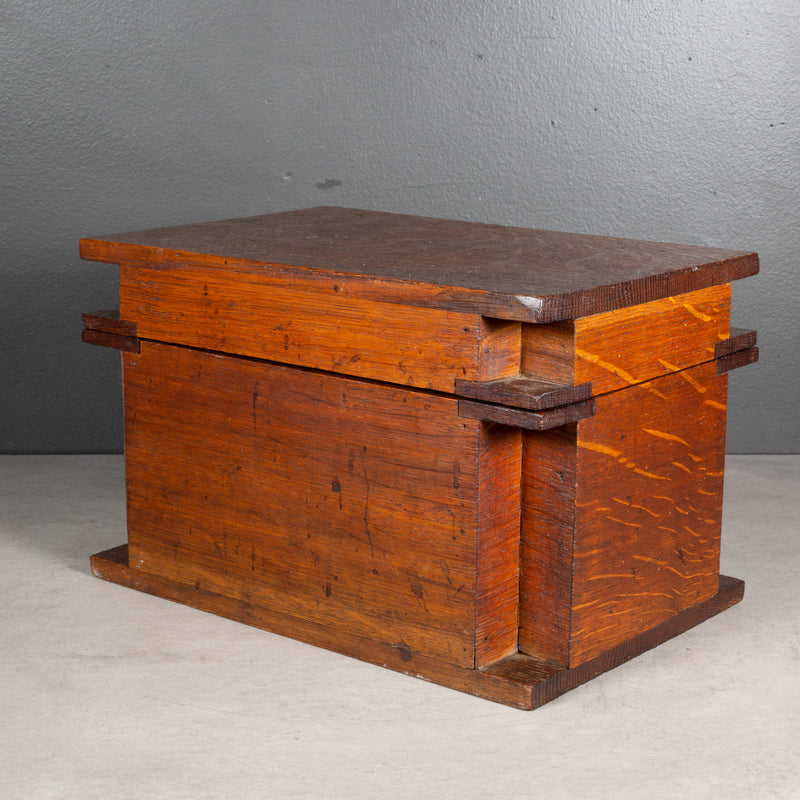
<point x="357" y="506"/>
<point x="497" y="271"/>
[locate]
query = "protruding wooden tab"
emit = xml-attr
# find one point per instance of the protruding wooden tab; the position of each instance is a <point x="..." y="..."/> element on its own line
<point x="523" y="392"/>
<point x="129" y="344"/>
<point x="741" y="358"/>
<point x="740" y="339"/>
<point x="530" y="420"/>
<point x="109" y="322"/>
<point x="107" y="329"/>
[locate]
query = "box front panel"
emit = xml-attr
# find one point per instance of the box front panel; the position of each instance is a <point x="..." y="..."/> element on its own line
<point x="329" y="499"/>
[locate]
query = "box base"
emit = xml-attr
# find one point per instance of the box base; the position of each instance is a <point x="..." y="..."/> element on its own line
<point x="519" y="680"/>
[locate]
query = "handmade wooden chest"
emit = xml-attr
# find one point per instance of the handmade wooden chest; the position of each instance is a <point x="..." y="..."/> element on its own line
<point x="490" y="457"/>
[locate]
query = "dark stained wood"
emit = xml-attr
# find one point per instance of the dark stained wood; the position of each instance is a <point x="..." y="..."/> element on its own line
<point x="739" y="358"/>
<point x="739" y="339"/>
<point x="109" y="321"/>
<point x="128" y="344"/>
<point x="529" y="420"/>
<point x="523" y="392"/>
<point x="493" y="270"/>
<point x="520" y="681"/>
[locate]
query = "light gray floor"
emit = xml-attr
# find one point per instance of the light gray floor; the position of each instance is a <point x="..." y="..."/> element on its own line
<point x="108" y="693"/>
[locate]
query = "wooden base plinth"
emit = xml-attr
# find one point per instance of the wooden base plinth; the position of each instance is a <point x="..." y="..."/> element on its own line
<point x="519" y="680"/>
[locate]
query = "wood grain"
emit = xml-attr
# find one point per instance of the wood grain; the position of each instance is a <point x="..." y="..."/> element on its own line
<point x="739" y="358"/>
<point x="549" y="486"/>
<point x="631" y="345"/>
<point x="256" y="316"/>
<point x="350" y="504"/>
<point x="497" y="557"/>
<point x="523" y="392"/>
<point x="126" y="343"/>
<point x="109" y="321"/>
<point x="739" y="339"/>
<point x="491" y="270"/>
<point x="648" y="507"/>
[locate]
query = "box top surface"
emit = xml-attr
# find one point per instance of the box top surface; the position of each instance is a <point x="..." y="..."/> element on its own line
<point x="512" y="273"/>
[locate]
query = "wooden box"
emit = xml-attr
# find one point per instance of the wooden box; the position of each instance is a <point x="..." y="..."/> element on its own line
<point x="486" y="456"/>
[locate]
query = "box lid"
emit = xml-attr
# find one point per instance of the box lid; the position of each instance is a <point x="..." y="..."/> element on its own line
<point x="497" y="271"/>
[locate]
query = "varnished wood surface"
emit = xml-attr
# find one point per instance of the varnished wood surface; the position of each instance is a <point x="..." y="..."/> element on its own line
<point x="631" y="345"/>
<point x="497" y="271"/>
<point x="648" y="507"/>
<point x="621" y="516"/>
<point x="520" y="681"/>
<point x="259" y="317"/>
<point x="354" y="505"/>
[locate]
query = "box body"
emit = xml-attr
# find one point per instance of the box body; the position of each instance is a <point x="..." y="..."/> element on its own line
<point x="445" y="478"/>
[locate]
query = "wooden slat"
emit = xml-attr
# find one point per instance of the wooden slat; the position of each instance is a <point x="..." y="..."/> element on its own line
<point x="258" y="316"/>
<point x="109" y="321"/>
<point x="529" y="420"/>
<point x="739" y="339"/>
<point x="549" y="485"/>
<point x="739" y="358"/>
<point x="128" y="344"/>
<point x="491" y="270"/>
<point x="523" y="392"/>
<point x="519" y="681"/>
<point x="497" y="592"/>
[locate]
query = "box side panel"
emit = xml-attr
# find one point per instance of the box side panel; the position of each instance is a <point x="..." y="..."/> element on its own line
<point x="334" y="501"/>
<point x="497" y="604"/>
<point x="632" y="345"/>
<point x="648" y="507"/>
<point x="263" y="316"/>
<point x="546" y="546"/>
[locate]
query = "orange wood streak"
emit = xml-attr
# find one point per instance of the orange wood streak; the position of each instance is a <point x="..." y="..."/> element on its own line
<point x="340" y="502"/>
<point x="635" y="344"/>
<point x="654" y="537"/>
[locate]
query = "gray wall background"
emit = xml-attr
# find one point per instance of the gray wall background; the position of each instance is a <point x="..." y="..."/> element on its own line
<point x="673" y="120"/>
